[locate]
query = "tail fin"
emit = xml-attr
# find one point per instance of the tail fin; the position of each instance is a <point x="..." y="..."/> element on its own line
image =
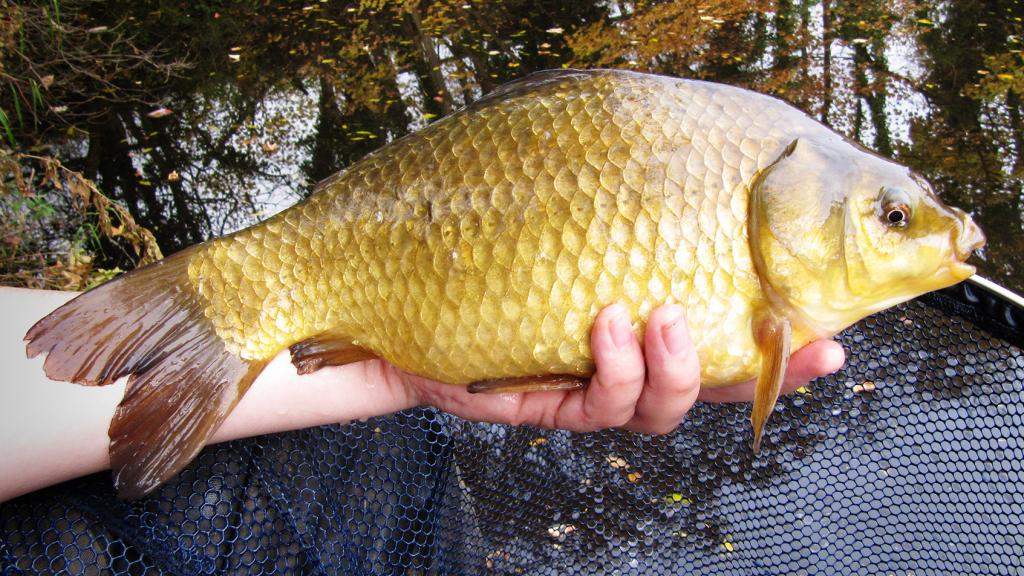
<point x="148" y="325"/>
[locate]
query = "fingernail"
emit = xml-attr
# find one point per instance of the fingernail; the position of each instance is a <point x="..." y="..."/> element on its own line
<point x="835" y="357"/>
<point x="674" y="331"/>
<point x="619" y="327"/>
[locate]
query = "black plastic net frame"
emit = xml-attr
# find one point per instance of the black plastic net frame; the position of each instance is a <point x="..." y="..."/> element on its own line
<point x="909" y="461"/>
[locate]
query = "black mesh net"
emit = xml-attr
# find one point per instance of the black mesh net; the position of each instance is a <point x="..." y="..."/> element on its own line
<point x="908" y="461"/>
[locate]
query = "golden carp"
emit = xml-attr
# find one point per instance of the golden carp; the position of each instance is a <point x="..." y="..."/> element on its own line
<point x="480" y="249"/>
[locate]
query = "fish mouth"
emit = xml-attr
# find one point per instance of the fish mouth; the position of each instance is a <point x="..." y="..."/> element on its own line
<point x="961" y="271"/>
<point x="969" y="237"/>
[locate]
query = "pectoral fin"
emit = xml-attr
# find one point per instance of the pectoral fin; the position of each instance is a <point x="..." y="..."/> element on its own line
<point x="772" y="335"/>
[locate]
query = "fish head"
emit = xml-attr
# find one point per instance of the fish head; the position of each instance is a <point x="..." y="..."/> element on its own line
<point x="838" y="233"/>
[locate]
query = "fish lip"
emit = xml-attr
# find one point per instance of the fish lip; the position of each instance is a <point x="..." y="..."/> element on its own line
<point x="961" y="270"/>
<point x="965" y="252"/>
<point x="969" y="238"/>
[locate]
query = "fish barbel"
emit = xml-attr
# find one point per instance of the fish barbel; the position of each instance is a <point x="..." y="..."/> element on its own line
<point x="479" y="250"/>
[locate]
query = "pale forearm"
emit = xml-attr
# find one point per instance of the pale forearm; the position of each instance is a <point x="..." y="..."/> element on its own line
<point x="55" y="431"/>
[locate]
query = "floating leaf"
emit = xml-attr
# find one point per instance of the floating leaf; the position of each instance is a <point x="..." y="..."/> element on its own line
<point x="616" y="461"/>
<point x="865" y="387"/>
<point x="677" y="498"/>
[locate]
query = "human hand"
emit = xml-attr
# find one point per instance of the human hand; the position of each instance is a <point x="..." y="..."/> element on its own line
<point x="648" y="391"/>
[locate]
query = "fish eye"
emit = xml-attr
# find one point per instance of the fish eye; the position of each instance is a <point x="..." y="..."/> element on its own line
<point x="895" y="207"/>
<point x="896" y="215"/>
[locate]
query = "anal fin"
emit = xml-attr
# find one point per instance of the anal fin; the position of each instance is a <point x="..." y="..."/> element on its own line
<point x="541" y="383"/>
<point x="326" y="349"/>
<point x="772" y="335"/>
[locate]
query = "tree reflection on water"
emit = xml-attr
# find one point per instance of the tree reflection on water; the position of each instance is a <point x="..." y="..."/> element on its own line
<point x="267" y="98"/>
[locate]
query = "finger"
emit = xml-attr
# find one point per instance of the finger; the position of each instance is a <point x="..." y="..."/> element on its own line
<point x="673" y="373"/>
<point x="611" y="397"/>
<point x="815" y="360"/>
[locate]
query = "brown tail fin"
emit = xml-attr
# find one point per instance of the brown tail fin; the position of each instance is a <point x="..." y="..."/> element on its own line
<point x="148" y="325"/>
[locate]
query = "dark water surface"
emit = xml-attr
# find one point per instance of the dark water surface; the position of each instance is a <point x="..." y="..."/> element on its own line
<point x="272" y="97"/>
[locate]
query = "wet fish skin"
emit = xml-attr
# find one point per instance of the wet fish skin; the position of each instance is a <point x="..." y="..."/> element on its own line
<point x="483" y="246"/>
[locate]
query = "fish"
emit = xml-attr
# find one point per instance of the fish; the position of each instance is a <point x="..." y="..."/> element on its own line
<point x="478" y="251"/>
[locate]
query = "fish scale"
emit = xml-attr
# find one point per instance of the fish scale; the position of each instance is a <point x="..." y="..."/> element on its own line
<point x="481" y="248"/>
<point x="639" y="200"/>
